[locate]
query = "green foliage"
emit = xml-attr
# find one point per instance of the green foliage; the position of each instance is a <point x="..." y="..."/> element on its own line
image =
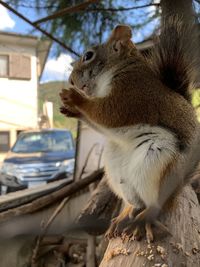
<point x="76" y="26"/>
<point x="196" y="102"/>
<point x="92" y="25"/>
<point x="50" y="92"/>
<point x="196" y="98"/>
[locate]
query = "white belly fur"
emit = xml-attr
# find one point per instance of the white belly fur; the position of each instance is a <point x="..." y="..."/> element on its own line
<point x="133" y="170"/>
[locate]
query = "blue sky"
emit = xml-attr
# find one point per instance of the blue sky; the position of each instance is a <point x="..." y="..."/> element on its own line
<point x="55" y="68"/>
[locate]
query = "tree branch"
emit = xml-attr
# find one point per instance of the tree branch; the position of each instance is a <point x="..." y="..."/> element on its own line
<point x="122" y="8"/>
<point x="96" y="216"/>
<point x="83" y="6"/>
<point x="36" y="7"/>
<point x="86" y="160"/>
<point x="38" y="28"/>
<point x="67" y="10"/>
<point x="45" y="229"/>
<point x="52" y="198"/>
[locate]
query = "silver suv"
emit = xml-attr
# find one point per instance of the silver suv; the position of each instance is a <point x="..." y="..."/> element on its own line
<point x="39" y="157"/>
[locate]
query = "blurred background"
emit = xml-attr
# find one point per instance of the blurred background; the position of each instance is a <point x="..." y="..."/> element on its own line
<point x="41" y="151"/>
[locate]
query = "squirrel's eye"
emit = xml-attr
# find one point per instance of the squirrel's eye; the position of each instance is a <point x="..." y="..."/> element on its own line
<point x="88" y="55"/>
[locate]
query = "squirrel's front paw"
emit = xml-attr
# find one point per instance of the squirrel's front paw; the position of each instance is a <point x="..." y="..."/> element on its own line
<point x="69" y="112"/>
<point x="72" y="97"/>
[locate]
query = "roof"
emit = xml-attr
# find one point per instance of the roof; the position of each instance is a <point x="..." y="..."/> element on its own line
<point x="42" y="46"/>
<point x="14" y="34"/>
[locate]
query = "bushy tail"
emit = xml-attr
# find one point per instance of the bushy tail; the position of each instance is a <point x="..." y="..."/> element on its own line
<point x="174" y="57"/>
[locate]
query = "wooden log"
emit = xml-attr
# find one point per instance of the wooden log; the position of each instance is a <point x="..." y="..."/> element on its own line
<point x="96" y="216"/>
<point x="18" y="198"/>
<point x="179" y="250"/>
<point x="52" y="198"/>
<point x="52" y="240"/>
<point x="196" y="184"/>
<point x="32" y="224"/>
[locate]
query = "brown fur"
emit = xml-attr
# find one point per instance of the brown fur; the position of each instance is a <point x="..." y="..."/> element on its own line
<point x="174" y="60"/>
<point x="135" y="100"/>
<point x="139" y="92"/>
<point x="139" y="95"/>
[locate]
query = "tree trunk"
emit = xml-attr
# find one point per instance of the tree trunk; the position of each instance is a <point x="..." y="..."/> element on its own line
<point x="179" y="250"/>
<point x="96" y="216"/>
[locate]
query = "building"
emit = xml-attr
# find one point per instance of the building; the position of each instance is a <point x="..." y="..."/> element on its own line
<point x="22" y="59"/>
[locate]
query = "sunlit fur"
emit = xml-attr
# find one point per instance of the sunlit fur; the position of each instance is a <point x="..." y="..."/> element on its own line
<point x="134" y="170"/>
<point x="150" y="128"/>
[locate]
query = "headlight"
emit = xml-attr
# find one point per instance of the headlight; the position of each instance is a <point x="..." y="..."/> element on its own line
<point x="9" y="168"/>
<point x="67" y="166"/>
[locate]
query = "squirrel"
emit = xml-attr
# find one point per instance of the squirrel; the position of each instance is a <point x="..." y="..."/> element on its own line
<point x="142" y="107"/>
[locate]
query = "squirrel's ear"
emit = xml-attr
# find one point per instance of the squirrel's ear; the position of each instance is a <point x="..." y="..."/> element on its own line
<point x="122" y="33"/>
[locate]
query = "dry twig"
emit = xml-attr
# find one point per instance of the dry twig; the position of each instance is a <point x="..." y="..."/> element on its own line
<point x="45" y="229"/>
<point x="67" y="10"/>
<point x="51" y="198"/>
<point x="86" y="160"/>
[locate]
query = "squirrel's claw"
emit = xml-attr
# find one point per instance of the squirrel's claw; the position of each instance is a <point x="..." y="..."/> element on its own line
<point x="137" y="232"/>
<point x="72" y="97"/>
<point x="110" y="232"/>
<point x="134" y="226"/>
<point x="149" y="232"/>
<point x="132" y="232"/>
<point x="117" y="224"/>
<point x="115" y="229"/>
<point x="143" y="226"/>
<point x="69" y="112"/>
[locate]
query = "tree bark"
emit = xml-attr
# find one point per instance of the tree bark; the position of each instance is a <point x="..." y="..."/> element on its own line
<point x="96" y="216"/>
<point x="51" y="198"/>
<point x="179" y="250"/>
<point x="22" y="197"/>
<point x="91" y="251"/>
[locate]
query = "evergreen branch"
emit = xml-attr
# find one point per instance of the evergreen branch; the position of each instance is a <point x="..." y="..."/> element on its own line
<point x="49" y="35"/>
<point x="67" y="10"/>
<point x="122" y="8"/>
<point x="36" y="7"/>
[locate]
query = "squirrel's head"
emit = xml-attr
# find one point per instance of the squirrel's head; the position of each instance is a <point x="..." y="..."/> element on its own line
<point x="99" y="62"/>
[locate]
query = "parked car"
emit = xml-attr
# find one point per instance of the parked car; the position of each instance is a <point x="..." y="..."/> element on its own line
<point x="38" y="157"/>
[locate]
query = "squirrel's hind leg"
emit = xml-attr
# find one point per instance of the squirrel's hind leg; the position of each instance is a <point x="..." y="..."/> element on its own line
<point x="144" y="223"/>
<point x="119" y="223"/>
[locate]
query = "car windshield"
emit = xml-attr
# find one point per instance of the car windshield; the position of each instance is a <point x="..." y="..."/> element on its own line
<point x="57" y="141"/>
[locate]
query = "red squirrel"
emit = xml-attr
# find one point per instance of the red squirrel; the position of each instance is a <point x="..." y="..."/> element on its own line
<point x="142" y="107"/>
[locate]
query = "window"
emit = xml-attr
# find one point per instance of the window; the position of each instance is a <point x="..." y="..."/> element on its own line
<point x="4" y="141"/>
<point x="50" y="141"/>
<point x="15" y="66"/>
<point x="3" y="65"/>
<point x="19" y="67"/>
